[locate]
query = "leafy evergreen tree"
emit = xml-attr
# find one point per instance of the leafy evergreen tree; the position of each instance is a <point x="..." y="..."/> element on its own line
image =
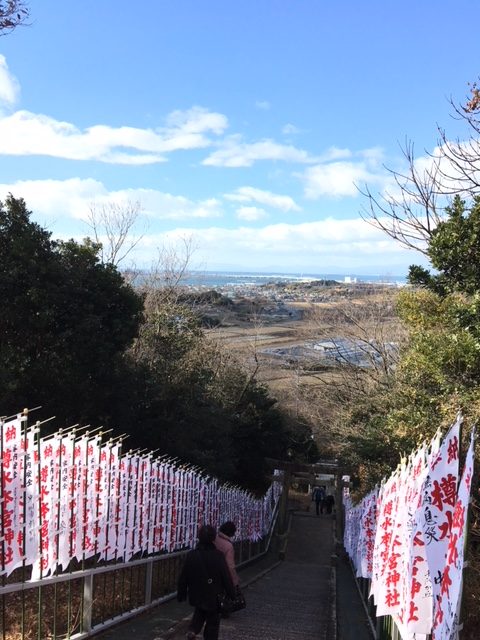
<point x="65" y="324"/>
<point x="454" y="251"/>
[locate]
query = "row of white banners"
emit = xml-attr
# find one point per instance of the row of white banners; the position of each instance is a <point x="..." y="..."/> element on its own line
<point x="66" y="497"/>
<point x="408" y="538"/>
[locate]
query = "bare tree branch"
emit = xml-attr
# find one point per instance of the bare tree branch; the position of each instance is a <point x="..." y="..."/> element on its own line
<point x="411" y="213"/>
<point x="170" y="269"/>
<point x="369" y="328"/>
<point x="112" y="225"/>
<point x="13" y="13"/>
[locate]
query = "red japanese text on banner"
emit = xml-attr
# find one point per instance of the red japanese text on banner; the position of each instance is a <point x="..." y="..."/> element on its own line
<point x="438" y="503"/>
<point x="447" y="606"/>
<point x="12" y="495"/>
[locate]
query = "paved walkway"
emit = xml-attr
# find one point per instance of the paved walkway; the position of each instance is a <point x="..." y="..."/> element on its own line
<point x="294" y="600"/>
<point x="289" y="600"/>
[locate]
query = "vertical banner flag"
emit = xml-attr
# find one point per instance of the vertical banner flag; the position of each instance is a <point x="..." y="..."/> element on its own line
<point x="447" y="606"/>
<point x="418" y="597"/>
<point x="12" y="495"/>
<point x="438" y="495"/>
<point x="417" y="559"/>
<point x="366" y="538"/>
<point x="79" y="496"/>
<point x="49" y="481"/>
<point x="65" y="459"/>
<point x="384" y="591"/>
<point x="32" y="499"/>
<point x="90" y="509"/>
<point x="64" y="498"/>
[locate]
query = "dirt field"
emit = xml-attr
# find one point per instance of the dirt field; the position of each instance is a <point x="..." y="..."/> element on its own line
<point x="254" y="333"/>
<point x="250" y="342"/>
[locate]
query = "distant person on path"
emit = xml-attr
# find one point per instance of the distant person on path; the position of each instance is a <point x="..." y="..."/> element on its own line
<point x="204" y="577"/>
<point x="224" y="543"/>
<point x="319" y="496"/>
<point x="329" y="502"/>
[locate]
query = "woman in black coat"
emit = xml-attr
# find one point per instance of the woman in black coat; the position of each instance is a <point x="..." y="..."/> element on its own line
<point x="204" y="577"/>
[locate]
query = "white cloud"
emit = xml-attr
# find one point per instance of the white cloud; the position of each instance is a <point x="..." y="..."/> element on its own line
<point x="323" y="246"/>
<point x="273" y="200"/>
<point x="342" y="177"/>
<point x="235" y="153"/>
<point x="326" y="246"/>
<point x="375" y="156"/>
<point x="334" y="153"/>
<point x="26" y="133"/>
<point x="263" y="105"/>
<point x="251" y="214"/>
<point x="9" y="87"/>
<point x="290" y="129"/>
<point x="335" y="179"/>
<point x="54" y="199"/>
<point x="196" y="120"/>
<point x="60" y="199"/>
<point x="165" y="206"/>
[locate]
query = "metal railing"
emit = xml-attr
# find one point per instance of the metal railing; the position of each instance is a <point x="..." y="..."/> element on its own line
<point x="86" y="600"/>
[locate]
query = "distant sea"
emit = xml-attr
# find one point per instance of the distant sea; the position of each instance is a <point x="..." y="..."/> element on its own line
<point x="221" y="279"/>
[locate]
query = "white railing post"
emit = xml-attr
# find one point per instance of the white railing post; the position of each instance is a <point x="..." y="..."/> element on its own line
<point x="87" y="603"/>
<point x="148" y="582"/>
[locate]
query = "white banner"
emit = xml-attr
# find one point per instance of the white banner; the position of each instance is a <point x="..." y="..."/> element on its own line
<point x="90" y="513"/>
<point x="417" y="558"/>
<point x="65" y="459"/>
<point x="65" y="497"/>
<point x="32" y="499"/>
<point x="448" y="603"/>
<point x="439" y="494"/>
<point x="79" y="496"/>
<point x="12" y="495"/>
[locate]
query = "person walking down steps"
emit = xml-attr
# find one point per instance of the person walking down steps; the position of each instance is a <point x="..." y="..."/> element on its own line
<point x="224" y="543"/>
<point x="205" y="577"/>
<point x="329" y="502"/>
<point x="319" y="496"/>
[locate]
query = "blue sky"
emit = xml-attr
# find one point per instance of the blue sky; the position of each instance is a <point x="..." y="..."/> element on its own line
<point x="243" y="127"/>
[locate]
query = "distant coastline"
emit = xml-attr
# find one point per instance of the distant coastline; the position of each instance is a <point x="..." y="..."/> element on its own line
<point x="245" y="279"/>
<point x="221" y="279"/>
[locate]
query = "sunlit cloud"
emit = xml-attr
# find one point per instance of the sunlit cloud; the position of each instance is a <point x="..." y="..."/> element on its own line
<point x="165" y="206"/>
<point x="266" y="198"/>
<point x="335" y="153"/>
<point x="263" y="105"/>
<point x="251" y="214"/>
<point x="235" y="153"/>
<point x="63" y="199"/>
<point x="335" y="179"/>
<point x="322" y="246"/>
<point x="56" y="199"/>
<point x="319" y="246"/>
<point x="26" y="133"/>
<point x="342" y="172"/>
<point x="9" y="87"/>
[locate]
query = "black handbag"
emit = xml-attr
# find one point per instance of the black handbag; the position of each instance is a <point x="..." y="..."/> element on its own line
<point x="229" y="605"/>
<point x="225" y="604"/>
